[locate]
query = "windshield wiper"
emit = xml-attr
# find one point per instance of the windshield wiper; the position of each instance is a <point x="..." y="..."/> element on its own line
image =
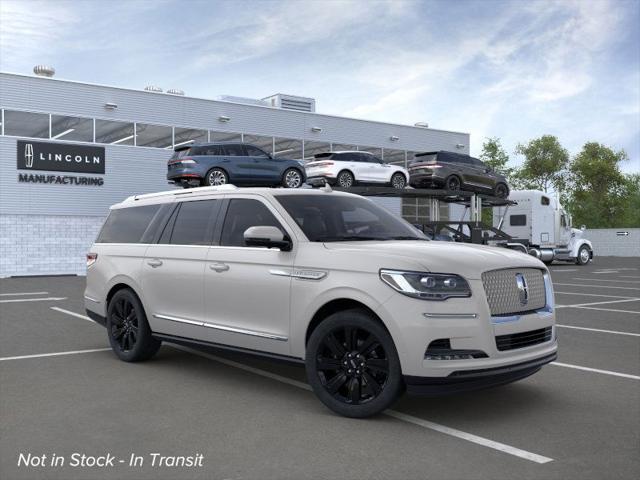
<point x="349" y="238"/>
<point x="407" y="237"/>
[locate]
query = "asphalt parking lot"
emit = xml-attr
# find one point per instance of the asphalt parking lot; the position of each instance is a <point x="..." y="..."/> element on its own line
<point x="62" y="391"/>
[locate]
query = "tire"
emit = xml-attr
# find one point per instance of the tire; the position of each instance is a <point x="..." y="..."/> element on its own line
<point x="398" y="180"/>
<point x="292" y="178"/>
<point x="453" y="183"/>
<point x="584" y="255"/>
<point x="501" y="190"/>
<point x="345" y="179"/>
<point x="371" y="381"/>
<point x="216" y="176"/>
<point x="128" y="330"/>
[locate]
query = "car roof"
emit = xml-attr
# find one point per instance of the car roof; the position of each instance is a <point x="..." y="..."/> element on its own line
<point x="168" y="196"/>
<point x="208" y="144"/>
<point x="326" y="154"/>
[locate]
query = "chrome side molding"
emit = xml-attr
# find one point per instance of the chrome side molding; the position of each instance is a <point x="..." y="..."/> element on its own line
<point x="302" y="274"/>
<point x="450" y="315"/>
<point x="242" y="331"/>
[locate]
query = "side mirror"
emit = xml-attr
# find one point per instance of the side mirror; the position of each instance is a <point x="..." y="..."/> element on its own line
<point x="267" y="236"/>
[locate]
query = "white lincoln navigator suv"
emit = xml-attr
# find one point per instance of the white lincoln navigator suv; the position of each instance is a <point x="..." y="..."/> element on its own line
<point x="324" y="278"/>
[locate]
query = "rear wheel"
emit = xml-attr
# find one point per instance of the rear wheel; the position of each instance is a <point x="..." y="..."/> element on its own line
<point x="216" y="176"/>
<point x="352" y="364"/>
<point x="584" y="255"/>
<point x="345" y="179"/>
<point x="129" y="333"/>
<point x="292" y="178"/>
<point x="398" y="180"/>
<point x="501" y="191"/>
<point x="453" y="183"/>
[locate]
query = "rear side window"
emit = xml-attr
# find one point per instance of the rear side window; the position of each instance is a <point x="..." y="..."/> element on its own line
<point x="254" y="151"/>
<point x="518" y="220"/>
<point x="193" y="224"/>
<point x="346" y="157"/>
<point x="185" y="152"/>
<point x="234" y="150"/>
<point x="242" y="214"/>
<point x="127" y="225"/>
<point x="208" y="150"/>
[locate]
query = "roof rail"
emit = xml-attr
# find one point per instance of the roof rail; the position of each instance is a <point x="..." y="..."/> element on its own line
<point x="215" y="188"/>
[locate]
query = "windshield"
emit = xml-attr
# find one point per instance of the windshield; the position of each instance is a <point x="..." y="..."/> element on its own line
<point x="337" y="218"/>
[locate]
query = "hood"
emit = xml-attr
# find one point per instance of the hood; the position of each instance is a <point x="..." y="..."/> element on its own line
<point x="440" y="257"/>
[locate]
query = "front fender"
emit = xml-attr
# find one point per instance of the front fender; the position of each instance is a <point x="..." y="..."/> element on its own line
<point x="577" y="243"/>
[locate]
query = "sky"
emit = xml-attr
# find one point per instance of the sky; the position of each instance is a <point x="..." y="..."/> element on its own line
<point x="508" y="69"/>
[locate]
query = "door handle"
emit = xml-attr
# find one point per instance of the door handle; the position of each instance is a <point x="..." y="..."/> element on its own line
<point x="154" y="263"/>
<point x="219" y="267"/>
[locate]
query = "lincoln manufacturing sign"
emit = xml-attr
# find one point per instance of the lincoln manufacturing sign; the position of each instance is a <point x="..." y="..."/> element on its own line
<point x="60" y="157"/>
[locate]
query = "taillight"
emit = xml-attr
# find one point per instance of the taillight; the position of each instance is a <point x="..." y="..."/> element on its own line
<point x="91" y="259"/>
<point x="188" y="161"/>
<point x="321" y="164"/>
<point x="433" y="166"/>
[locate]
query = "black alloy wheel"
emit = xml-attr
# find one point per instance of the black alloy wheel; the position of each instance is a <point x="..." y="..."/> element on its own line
<point x="129" y="333"/>
<point x="352" y="364"/>
<point x="292" y="178"/>
<point x="345" y="179"/>
<point x="502" y="191"/>
<point x="398" y="180"/>
<point x="453" y="183"/>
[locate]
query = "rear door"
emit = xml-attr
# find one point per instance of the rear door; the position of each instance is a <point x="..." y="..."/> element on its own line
<point x="238" y="165"/>
<point x="352" y="162"/>
<point x="481" y="175"/>
<point x="173" y="269"/>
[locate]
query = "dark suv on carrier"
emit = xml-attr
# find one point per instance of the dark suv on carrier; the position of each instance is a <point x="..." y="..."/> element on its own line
<point x="456" y="171"/>
<point x="227" y="162"/>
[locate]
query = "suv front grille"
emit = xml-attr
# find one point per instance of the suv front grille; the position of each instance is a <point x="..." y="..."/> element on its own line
<point x="523" y="339"/>
<point x="503" y="295"/>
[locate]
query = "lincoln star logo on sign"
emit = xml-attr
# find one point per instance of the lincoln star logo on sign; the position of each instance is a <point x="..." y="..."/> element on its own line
<point x="523" y="290"/>
<point x="60" y="157"/>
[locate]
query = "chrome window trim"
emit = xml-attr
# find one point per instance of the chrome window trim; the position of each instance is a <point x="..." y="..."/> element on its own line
<point x="242" y="331"/>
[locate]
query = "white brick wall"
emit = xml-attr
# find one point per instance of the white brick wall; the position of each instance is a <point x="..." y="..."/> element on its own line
<point x="46" y="244"/>
<point x="607" y="242"/>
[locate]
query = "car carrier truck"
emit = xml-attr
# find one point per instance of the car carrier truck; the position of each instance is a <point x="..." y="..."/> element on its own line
<point x="538" y="225"/>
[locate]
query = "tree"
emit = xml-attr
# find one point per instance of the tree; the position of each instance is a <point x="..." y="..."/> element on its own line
<point x="495" y="156"/>
<point x="544" y="166"/>
<point x="601" y="195"/>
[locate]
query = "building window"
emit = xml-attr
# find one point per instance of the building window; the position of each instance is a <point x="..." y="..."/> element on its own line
<point x="183" y="136"/>
<point x="288" y="148"/>
<point x="411" y="156"/>
<point x="71" y="128"/>
<point x="313" y="148"/>
<point x="157" y="136"/>
<point x="396" y="157"/>
<point x="115" y="133"/>
<point x="343" y="147"/>
<point x="263" y="143"/>
<point x="225" y="137"/>
<point x="374" y="150"/>
<point x="26" y="124"/>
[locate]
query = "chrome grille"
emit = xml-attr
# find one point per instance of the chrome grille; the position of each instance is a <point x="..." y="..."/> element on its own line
<point x="503" y="295"/>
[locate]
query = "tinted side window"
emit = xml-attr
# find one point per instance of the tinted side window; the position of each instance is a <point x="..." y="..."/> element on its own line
<point x="367" y="158"/>
<point x="544" y="201"/>
<point x="345" y="157"/>
<point x="254" y="151"/>
<point x="208" y="150"/>
<point x="518" y="220"/>
<point x="193" y="223"/>
<point x="234" y="150"/>
<point x="127" y="225"/>
<point x="242" y="214"/>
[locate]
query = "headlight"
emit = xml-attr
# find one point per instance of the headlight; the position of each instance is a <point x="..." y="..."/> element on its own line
<point x="427" y="286"/>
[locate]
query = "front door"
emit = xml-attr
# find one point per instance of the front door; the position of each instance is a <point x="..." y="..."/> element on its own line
<point x="264" y="169"/>
<point x="173" y="269"/>
<point x="247" y="289"/>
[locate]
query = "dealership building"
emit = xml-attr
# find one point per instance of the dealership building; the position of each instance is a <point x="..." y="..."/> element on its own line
<point x="69" y="150"/>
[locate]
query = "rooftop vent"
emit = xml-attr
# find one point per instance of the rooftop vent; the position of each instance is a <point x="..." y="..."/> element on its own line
<point x="153" y="88"/>
<point x="175" y="91"/>
<point x="421" y="124"/>
<point x="291" y="102"/>
<point x="44" y="71"/>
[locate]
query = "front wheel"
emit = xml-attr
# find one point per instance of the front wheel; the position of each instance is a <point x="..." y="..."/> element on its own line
<point x="352" y="364"/>
<point x="398" y="180"/>
<point x="584" y="255"/>
<point x="129" y="333"/>
<point x="292" y="178"/>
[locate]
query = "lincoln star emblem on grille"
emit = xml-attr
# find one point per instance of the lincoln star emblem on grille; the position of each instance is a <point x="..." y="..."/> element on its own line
<point x="523" y="290"/>
<point x="28" y="155"/>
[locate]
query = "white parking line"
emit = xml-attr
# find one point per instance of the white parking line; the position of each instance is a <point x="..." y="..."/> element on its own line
<point x="45" y="299"/>
<point x="606" y="280"/>
<point x="391" y="413"/>
<point x="74" y="314"/>
<point x="591" y="294"/>
<point x="22" y="293"/>
<point x="599" y="330"/>
<point x="609" y="310"/>
<point x="595" y="370"/>
<point x="56" y="354"/>
<point x="594" y="286"/>
<point x="629" y="276"/>
<point x="567" y="270"/>
<point x="596" y="303"/>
